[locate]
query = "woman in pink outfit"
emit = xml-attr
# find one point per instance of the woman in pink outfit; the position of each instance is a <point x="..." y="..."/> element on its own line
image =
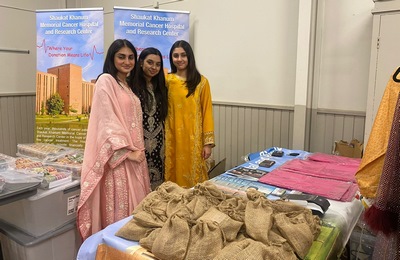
<point x="115" y="175"/>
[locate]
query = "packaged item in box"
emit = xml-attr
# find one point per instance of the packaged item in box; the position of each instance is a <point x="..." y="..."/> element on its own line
<point x="5" y="161"/>
<point x="42" y="151"/>
<point x="56" y="179"/>
<point x="74" y="169"/>
<point x="15" y="177"/>
<point x="26" y="163"/>
<point x="52" y="177"/>
<point x="70" y="162"/>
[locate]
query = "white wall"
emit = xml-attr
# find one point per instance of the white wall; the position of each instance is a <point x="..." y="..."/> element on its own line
<point x="247" y="49"/>
<point x="18" y="32"/>
<point x="345" y="31"/>
<point x="238" y="46"/>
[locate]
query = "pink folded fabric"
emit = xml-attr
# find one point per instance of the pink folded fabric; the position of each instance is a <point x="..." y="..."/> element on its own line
<point x="328" y="188"/>
<point x="335" y="171"/>
<point x="351" y="192"/>
<point x="330" y="158"/>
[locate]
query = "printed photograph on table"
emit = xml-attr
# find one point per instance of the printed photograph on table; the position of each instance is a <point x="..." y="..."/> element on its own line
<point x="70" y="50"/>
<point x="247" y="173"/>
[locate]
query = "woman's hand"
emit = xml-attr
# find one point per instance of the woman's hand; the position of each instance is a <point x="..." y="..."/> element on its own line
<point x="137" y="156"/>
<point x="206" y="151"/>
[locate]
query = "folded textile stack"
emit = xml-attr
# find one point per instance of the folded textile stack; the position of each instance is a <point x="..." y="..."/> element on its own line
<point x="329" y="176"/>
<point x="205" y="223"/>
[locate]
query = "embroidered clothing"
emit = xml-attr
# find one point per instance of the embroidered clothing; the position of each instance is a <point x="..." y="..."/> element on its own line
<point x="154" y="141"/>
<point x="111" y="184"/>
<point x="188" y="127"/>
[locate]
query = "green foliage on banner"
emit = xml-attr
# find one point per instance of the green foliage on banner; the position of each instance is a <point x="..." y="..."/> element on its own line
<point x="55" y="104"/>
<point x="42" y="108"/>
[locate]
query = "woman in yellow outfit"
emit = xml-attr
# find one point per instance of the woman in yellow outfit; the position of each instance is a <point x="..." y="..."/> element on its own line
<point x="189" y="126"/>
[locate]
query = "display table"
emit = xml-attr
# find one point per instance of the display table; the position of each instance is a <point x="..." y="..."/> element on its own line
<point x="337" y="222"/>
<point x="342" y="216"/>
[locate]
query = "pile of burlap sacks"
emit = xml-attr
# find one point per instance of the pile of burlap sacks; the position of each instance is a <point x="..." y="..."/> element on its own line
<point x="205" y="223"/>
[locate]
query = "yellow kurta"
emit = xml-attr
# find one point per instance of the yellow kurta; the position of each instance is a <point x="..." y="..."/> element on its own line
<point x="188" y="127"/>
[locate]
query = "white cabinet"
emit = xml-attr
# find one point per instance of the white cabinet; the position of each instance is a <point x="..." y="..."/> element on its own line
<point x="385" y="55"/>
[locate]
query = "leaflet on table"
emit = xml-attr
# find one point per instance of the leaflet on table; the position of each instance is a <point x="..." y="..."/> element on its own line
<point x="235" y="184"/>
<point x="270" y="159"/>
<point x="274" y="152"/>
<point x="247" y="173"/>
<point x="255" y="164"/>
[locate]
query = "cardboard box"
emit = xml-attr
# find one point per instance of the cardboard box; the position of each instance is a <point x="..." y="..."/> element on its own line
<point x="354" y="149"/>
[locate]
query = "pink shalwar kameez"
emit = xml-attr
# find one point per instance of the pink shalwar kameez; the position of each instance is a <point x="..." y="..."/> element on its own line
<point x="111" y="185"/>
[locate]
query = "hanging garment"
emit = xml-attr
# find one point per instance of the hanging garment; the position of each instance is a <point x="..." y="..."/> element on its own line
<point x="384" y="215"/>
<point x="370" y="170"/>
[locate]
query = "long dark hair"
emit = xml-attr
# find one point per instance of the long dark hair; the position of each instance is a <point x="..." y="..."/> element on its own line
<point x="109" y="66"/>
<point x="158" y="82"/>
<point x="193" y="76"/>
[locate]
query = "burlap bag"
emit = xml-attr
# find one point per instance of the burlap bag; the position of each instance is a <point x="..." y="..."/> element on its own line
<point x="148" y="241"/>
<point x="258" y="220"/>
<point x="164" y="193"/>
<point x="228" y="226"/>
<point x="198" y="206"/>
<point x="169" y="188"/>
<point x="284" y="206"/>
<point x="277" y="205"/>
<point x="149" y="197"/>
<point x="206" y="240"/>
<point x="253" y="194"/>
<point x="295" y="229"/>
<point x="149" y="220"/>
<point x="156" y="202"/>
<point x="213" y="194"/>
<point x="157" y="206"/>
<point x="132" y="230"/>
<point x="175" y="205"/>
<point x="252" y="250"/>
<point x="275" y="238"/>
<point x="234" y="207"/>
<point x="172" y="240"/>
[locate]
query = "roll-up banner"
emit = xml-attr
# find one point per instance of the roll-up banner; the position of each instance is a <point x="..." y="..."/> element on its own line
<point x="151" y="28"/>
<point x="70" y="50"/>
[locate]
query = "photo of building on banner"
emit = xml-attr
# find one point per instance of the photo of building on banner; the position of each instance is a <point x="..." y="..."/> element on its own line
<point x="151" y="28"/>
<point x="70" y="50"/>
